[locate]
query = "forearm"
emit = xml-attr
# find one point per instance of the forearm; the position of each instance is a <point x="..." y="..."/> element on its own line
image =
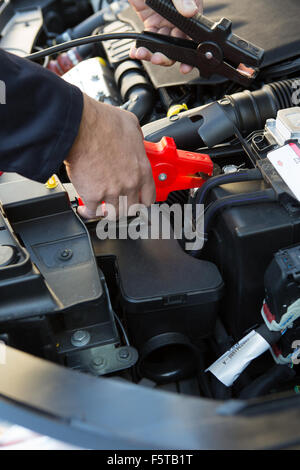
<point x="40" y="120"/>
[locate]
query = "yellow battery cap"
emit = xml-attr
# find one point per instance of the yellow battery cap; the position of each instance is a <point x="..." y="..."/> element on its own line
<point x="102" y="61"/>
<point x="176" y="109"/>
<point x="52" y="182"/>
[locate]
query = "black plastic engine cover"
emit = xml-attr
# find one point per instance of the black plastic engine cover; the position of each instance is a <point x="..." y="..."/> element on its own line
<point x="162" y="289"/>
<point x="169" y="299"/>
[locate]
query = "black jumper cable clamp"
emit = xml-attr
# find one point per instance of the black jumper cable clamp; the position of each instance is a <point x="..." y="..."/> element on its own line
<point x="213" y="48"/>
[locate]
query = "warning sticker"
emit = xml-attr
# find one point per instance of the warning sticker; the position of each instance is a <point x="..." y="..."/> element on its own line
<point x="286" y="161"/>
<point x="230" y="366"/>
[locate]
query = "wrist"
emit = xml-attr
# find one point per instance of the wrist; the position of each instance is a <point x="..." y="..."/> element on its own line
<point x="90" y="116"/>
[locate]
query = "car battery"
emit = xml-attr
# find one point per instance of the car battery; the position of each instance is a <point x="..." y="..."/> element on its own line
<point x="242" y="242"/>
<point x="55" y="301"/>
<point x="244" y="235"/>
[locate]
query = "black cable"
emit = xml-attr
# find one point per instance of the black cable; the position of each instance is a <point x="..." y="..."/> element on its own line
<point x="86" y="40"/>
<point x="273" y="378"/>
<point x="245" y="144"/>
<point x="122" y="329"/>
<point x="47" y="59"/>
<point x="222" y="151"/>
<point x="220" y="344"/>
<point x="238" y="177"/>
<point x="203" y="378"/>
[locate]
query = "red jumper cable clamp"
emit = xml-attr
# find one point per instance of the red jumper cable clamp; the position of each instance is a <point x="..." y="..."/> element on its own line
<point x="175" y="170"/>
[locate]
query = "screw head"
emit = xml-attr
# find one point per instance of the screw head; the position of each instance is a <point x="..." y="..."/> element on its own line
<point x="98" y="361"/>
<point x="80" y="338"/>
<point x="162" y="177"/>
<point x="123" y="354"/>
<point x="66" y="254"/>
<point x="7" y="255"/>
<point x="209" y="55"/>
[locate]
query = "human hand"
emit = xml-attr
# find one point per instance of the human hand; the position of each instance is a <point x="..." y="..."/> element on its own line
<point x="108" y="160"/>
<point x="157" y="24"/>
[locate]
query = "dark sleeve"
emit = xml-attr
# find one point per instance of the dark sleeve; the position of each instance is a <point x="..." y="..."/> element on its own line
<point x="39" y="120"/>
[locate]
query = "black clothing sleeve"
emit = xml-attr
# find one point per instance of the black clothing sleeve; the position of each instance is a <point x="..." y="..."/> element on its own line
<point x="39" y="120"/>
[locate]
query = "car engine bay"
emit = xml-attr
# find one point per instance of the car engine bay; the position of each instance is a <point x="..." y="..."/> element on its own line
<point x="219" y="321"/>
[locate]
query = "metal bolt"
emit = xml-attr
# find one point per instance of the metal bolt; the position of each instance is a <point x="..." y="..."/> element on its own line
<point x="162" y="177"/>
<point x="224" y="101"/>
<point x="80" y="338"/>
<point x="66" y="254"/>
<point x="209" y="55"/>
<point x="124" y="354"/>
<point x="193" y="192"/>
<point x="228" y="169"/>
<point x="7" y="255"/>
<point x="98" y="361"/>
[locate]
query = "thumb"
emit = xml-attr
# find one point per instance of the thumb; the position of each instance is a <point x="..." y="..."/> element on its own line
<point x="186" y="8"/>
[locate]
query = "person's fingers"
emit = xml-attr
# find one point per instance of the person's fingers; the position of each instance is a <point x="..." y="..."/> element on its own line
<point x="184" y="68"/>
<point x="154" y="21"/>
<point x="177" y="33"/>
<point x="164" y="30"/>
<point x="187" y="8"/>
<point x="132" y="52"/>
<point x="143" y="54"/>
<point x="160" y="59"/>
<point x="112" y="207"/>
<point x="90" y="210"/>
<point x="133" y="198"/>
<point x="148" y="192"/>
<point x="157" y="58"/>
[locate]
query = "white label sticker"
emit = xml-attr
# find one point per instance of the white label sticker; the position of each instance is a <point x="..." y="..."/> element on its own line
<point x="230" y="366"/>
<point x="287" y="163"/>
